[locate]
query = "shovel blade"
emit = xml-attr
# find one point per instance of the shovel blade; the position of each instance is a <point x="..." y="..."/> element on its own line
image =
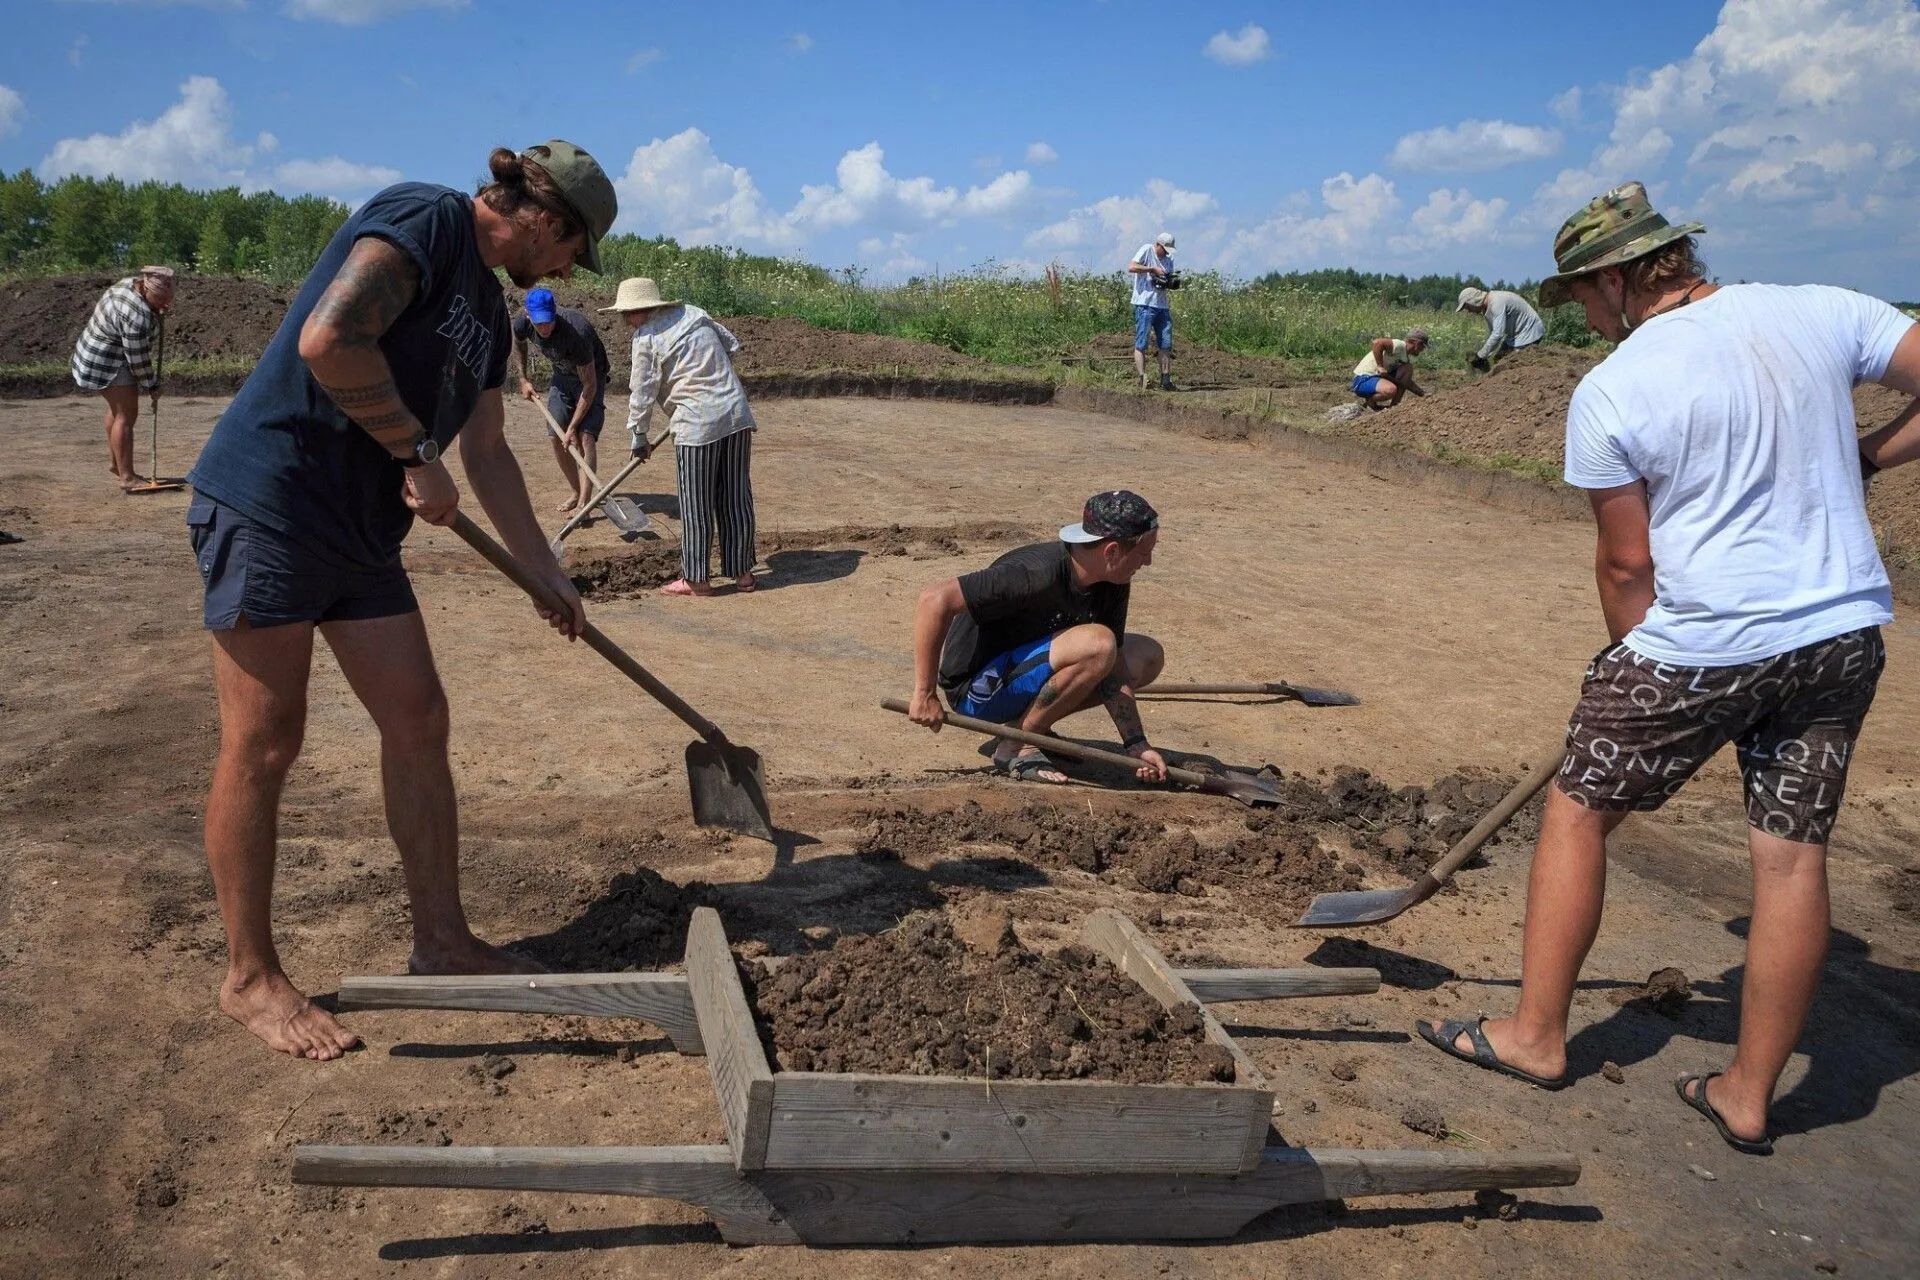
<point x="626" y="515"/>
<point x="727" y="788"/>
<point x="1256" y="793"/>
<point x="1364" y="906"/>
<point x="1322" y="697"/>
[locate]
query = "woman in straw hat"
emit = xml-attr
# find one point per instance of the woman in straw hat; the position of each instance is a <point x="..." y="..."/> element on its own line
<point x="683" y="360"/>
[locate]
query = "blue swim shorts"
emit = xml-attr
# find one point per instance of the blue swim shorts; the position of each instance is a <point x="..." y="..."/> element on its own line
<point x="1002" y="689"/>
<point x="1365" y="384"/>
<point x="261" y="574"/>
<point x="1154" y="321"/>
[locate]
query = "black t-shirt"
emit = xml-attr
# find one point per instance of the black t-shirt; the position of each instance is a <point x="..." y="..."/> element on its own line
<point x="1026" y="594"/>
<point x="283" y="454"/>
<point x="572" y="343"/>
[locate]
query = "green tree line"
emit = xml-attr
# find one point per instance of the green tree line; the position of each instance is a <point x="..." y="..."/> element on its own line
<point x="93" y="224"/>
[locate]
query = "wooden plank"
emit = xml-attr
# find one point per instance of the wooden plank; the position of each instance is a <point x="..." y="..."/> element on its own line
<point x="1217" y="986"/>
<point x="915" y="1207"/>
<point x="735" y="1058"/>
<point x="1133" y="953"/>
<point x="660" y="998"/>
<point x="699" y="1176"/>
<point x="823" y="1121"/>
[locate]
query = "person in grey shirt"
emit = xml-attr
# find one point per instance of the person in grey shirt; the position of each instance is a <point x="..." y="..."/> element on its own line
<point x="1511" y="323"/>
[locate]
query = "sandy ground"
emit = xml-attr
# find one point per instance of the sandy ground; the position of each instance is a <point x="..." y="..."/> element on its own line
<point x="148" y="1135"/>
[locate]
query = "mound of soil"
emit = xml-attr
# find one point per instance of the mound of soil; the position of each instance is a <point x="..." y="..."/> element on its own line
<point x="212" y="318"/>
<point x="644" y="566"/>
<point x="638" y="925"/>
<point x="917" y="1001"/>
<point x="1282" y="856"/>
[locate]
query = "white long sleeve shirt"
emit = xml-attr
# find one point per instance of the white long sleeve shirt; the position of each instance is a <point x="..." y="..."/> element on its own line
<point x="683" y="360"/>
<point x="1510" y="323"/>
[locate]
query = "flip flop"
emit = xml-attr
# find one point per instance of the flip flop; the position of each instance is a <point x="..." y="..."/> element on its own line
<point x="1483" y="1054"/>
<point x="1698" y="1101"/>
<point x="1029" y="767"/>
<point x="681" y="587"/>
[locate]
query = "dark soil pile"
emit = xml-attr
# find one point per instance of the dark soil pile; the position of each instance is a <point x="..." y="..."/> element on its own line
<point x="638" y="925"/>
<point x="917" y="1001"/>
<point x="1285" y="856"/>
<point x="212" y="318"/>
<point x="632" y="570"/>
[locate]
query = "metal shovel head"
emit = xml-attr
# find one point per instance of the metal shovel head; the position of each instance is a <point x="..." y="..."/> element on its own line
<point x="626" y="515"/>
<point x="1322" y="697"/>
<point x="1365" y="906"/>
<point x="1255" y="792"/>
<point x="727" y="789"/>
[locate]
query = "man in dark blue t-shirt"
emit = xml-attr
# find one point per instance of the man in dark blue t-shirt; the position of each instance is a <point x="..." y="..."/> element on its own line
<point x="396" y="343"/>
<point x="577" y="396"/>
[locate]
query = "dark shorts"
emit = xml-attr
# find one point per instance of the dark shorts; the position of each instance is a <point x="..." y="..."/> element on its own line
<point x="561" y="407"/>
<point x="1002" y="689"/>
<point x="1642" y="728"/>
<point x="260" y="574"/>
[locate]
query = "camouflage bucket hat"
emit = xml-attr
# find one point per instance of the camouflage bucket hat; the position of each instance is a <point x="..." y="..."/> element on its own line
<point x="1614" y="228"/>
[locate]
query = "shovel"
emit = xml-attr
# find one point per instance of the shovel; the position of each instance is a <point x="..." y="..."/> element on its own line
<point x="626" y="517"/>
<point x="723" y="778"/>
<point x="1271" y="689"/>
<point x="1244" y="787"/>
<point x="154" y="483"/>
<point x="1371" y="906"/>
<point x="574" y="521"/>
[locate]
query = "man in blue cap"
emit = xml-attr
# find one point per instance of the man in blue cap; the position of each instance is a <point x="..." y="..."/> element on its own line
<point x="577" y="396"/>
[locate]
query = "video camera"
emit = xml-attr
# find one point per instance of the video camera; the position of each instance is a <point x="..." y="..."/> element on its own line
<point x="1167" y="280"/>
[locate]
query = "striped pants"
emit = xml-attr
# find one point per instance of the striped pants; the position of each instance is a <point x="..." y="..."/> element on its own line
<point x="716" y="487"/>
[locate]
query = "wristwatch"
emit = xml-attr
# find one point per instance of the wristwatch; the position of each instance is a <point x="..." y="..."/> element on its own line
<point x="425" y="450"/>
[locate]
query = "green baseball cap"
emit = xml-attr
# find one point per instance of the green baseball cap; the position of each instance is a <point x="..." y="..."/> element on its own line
<point x="584" y="183"/>
<point x="1614" y="228"/>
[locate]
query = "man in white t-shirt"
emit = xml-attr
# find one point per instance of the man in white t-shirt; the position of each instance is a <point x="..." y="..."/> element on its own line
<point x="1744" y="595"/>
<point x="1153" y="274"/>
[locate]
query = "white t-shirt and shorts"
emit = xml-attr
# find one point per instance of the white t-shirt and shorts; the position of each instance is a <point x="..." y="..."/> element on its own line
<point x="1737" y="412"/>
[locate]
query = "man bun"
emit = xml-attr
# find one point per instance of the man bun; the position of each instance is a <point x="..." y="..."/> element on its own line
<point x="505" y="167"/>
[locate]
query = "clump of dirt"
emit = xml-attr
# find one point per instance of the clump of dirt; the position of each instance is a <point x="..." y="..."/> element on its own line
<point x="638" y="925"/>
<point x="1666" y="993"/>
<point x="917" y="1001"/>
<point x="1410" y="827"/>
<point x="645" y="566"/>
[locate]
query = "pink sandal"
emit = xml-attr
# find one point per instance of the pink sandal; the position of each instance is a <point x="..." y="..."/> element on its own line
<point x="745" y="583"/>
<point x="681" y="587"/>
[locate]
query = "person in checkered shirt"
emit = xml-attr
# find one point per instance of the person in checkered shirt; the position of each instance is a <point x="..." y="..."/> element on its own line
<point x="115" y="358"/>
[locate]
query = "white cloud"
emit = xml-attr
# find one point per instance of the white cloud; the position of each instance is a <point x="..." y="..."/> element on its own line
<point x="13" y="109"/>
<point x="1350" y="226"/>
<point x="1239" y="49"/>
<point x="334" y="177"/>
<point x="678" y="187"/>
<point x="799" y="42"/>
<point x="1041" y="153"/>
<point x="1451" y="219"/>
<point x="1473" y="146"/>
<point x="360" y="13"/>
<point x="640" y="59"/>
<point x="192" y="142"/>
<point x="1108" y="231"/>
<point x="866" y="194"/>
<point x="1566" y="106"/>
<point x="1778" y="131"/>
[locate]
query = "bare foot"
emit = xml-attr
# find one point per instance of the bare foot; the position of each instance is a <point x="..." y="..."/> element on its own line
<point x="745" y="582"/>
<point x="470" y="956"/>
<point x="681" y="587"/>
<point x="274" y="1010"/>
<point x="568" y="507"/>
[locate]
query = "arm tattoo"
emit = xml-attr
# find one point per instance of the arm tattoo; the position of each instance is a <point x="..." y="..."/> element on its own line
<point x="351" y="398"/>
<point x="1121" y="706"/>
<point x="372" y="288"/>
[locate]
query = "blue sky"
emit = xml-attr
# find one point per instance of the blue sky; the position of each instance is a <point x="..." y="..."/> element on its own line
<point x="905" y="137"/>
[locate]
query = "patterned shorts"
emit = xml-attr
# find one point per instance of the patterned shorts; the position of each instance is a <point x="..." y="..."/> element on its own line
<point x="1643" y="728"/>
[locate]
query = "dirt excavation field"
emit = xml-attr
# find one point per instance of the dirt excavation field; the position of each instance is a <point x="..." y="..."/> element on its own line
<point x="148" y="1135"/>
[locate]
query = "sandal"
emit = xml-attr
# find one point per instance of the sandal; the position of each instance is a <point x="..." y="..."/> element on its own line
<point x="681" y="587"/>
<point x="1483" y="1054"/>
<point x="1698" y="1101"/>
<point x="1029" y="765"/>
<point x="745" y="583"/>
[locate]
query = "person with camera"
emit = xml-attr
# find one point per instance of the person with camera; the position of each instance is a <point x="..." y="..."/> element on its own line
<point x="1153" y="274"/>
<point x="1511" y="324"/>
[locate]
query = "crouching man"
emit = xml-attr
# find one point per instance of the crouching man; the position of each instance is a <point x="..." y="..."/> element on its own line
<point x="1041" y="633"/>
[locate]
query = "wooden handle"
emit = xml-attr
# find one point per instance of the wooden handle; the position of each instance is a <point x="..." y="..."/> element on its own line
<point x="579" y="458"/>
<point x="477" y="538"/>
<point x="1059" y="745"/>
<point x="592" y="504"/>
<point x="1497" y="816"/>
<point x="1277" y="689"/>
